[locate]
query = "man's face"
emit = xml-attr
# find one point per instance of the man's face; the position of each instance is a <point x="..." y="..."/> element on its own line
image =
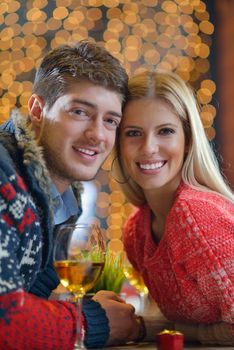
<point x="78" y="132"/>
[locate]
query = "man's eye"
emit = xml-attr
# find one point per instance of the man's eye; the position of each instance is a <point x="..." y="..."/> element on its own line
<point x="166" y="131"/>
<point x="112" y="123"/>
<point x="79" y="112"/>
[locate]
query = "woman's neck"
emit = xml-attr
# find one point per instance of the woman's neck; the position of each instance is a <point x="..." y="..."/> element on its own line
<point x="160" y="204"/>
<point x="160" y="200"/>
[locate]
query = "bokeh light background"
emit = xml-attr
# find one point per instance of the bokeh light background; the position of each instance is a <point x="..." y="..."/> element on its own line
<point x="174" y="35"/>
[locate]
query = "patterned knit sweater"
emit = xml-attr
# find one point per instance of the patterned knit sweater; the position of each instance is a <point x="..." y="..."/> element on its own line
<point x="28" y="322"/>
<point x="190" y="273"/>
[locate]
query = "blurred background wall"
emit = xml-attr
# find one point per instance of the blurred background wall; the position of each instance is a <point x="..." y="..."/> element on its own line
<point x="193" y="38"/>
<point x="224" y="53"/>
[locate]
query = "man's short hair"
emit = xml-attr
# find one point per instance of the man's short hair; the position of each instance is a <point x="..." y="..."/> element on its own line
<point x="69" y="64"/>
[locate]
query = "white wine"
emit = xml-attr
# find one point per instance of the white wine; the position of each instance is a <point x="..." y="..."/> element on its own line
<point x="78" y="276"/>
<point x="135" y="279"/>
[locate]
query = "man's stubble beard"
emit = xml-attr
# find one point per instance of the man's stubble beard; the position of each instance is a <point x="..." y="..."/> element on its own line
<point x="57" y="167"/>
<point x="54" y="163"/>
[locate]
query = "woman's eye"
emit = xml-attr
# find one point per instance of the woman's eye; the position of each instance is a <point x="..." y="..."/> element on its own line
<point x="166" y="131"/>
<point x="132" y="133"/>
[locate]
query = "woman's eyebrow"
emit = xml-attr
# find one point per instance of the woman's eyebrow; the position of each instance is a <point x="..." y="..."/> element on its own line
<point x="164" y="125"/>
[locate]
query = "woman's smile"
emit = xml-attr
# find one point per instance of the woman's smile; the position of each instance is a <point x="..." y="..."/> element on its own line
<point x="151" y="165"/>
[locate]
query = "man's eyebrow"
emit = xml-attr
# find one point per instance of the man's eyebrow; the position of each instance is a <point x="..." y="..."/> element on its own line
<point x="115" y="114"/>
<point x="84" y="102"/>
<point x="94" y="106"/>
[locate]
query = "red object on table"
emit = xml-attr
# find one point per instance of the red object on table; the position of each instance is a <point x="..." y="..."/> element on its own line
<point x="170" y="340"/>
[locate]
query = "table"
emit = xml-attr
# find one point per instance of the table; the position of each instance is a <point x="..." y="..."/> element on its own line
<point x="152" y="346"/>
<point x="151" y="309"/>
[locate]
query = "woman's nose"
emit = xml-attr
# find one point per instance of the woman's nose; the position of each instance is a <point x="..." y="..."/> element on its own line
<point x="150" y="145"/>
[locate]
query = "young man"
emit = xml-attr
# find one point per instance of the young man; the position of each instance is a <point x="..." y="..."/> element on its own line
<point x="74" y="111"/>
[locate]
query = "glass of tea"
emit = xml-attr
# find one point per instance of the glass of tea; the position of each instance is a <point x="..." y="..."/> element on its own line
<point x="79" y="258"/>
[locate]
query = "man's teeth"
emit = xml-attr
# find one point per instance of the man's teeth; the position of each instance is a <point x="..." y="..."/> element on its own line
<point x="86" y="151"/>
<point x="151" y="166"/>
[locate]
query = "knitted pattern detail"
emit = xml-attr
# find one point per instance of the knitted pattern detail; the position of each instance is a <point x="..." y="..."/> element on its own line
<point x="20" y="311"/>
<point x="190" y="273"/>
<point x="17" y="215"/>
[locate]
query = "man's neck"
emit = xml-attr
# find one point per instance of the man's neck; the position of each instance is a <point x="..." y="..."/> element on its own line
<point x="61" y="184"/>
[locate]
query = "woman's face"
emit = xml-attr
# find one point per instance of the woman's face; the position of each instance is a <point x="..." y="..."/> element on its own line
<point x="152" y="144"/>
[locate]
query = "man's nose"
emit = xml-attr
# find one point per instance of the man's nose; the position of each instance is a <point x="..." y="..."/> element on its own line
<point x="95" y="131"/>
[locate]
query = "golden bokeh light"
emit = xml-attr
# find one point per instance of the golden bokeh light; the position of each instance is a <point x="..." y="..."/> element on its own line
<point x="3" y="8"/>
<point x="132" y="54"/>
<point x="113" y="45"/>
<point x="206" y="27"/>
<point x="209" y="84"/>
<point x="114" y="232"/>
<point x="108" y="3"/>
<point x="150" y="3"/>
<point x="12" y="6"/>
<point x="53" y="24"/>
<point x="11" y="19"/>
<point x="60" y="13"/>
<point x="115" y="25"/>
<point x="40" y="3"/>
<point x="102" y="213"/>
<point x="115" y="245"/>
<point x="113" y="13"/>
<point x="64" y="3"/>
<point x="210" y="132"/>
<point x="36" y="15"/>
<point x="186" y="8"/>
<point x="169" y="7"/>
<point x="204" y="95"/>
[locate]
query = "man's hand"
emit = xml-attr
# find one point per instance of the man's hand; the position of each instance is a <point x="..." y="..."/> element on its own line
<point x="123" y="323"/>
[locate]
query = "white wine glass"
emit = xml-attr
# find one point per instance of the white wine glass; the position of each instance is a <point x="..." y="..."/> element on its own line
<point x="79" y="258"/>
<point x="136" y="280"/>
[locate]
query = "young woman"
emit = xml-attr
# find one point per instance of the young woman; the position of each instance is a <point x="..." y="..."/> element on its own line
<point x="181" y="237"/>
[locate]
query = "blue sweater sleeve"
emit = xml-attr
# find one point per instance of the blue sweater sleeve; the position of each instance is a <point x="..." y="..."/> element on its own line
<point x="97" y="324"/>
<point x="45" y="281"/>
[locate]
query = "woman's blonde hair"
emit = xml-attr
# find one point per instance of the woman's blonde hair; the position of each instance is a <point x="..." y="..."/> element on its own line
<point x="201" y="168"/>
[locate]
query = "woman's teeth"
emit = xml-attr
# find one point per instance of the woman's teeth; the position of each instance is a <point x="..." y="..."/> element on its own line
<point x="152" y="166"/>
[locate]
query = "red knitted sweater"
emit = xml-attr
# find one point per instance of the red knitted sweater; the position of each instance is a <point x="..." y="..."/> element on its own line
<point x="190" y="273"/>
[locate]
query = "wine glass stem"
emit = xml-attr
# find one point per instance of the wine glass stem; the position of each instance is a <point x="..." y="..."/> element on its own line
<point x="79" y="344"/>
<point x="143" y="297"/>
